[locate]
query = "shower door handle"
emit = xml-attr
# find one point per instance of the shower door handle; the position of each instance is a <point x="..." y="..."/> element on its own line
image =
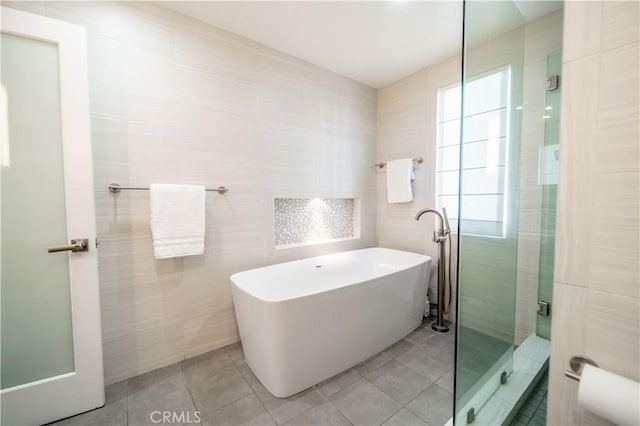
<point x="81" y="244"/>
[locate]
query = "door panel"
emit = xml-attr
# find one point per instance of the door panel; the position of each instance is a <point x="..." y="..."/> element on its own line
<point x="51" y="339"/>
<point x="36" y="306"/>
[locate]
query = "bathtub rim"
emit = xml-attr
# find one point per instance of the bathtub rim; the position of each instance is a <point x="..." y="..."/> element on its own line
<point x="425" y="259"/>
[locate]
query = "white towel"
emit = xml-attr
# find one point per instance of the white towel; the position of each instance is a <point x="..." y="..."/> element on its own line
<point x="399" y="177"/>
<point x="177" y="220"/>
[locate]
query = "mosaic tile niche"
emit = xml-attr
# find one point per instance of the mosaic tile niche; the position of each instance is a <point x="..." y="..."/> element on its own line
<point x="314" y="220"/>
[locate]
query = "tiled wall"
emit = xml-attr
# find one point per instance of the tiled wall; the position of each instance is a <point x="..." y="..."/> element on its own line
<point x="313" y="220"/>
<point x="406" y="127"/>
<point x="176" y="101"/>
<point x="596" y="288"/>
<point x="407" y="113"/>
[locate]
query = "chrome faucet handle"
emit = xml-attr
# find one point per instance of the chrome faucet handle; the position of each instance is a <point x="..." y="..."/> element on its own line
<point x="440" y="235"/>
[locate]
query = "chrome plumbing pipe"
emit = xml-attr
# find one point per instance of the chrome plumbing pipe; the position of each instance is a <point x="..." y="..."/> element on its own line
<point x="440" y="237"/>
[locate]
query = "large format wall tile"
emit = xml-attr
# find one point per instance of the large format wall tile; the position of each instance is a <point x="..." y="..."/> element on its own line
<point x="596" y="292"/>
<point x="617" y="148"/>
<point x="406" y="119"/>
<point x="612" y="337"/>
<point x="578" y="134"/>
<point x="174" y="100"/>
<point x="620" y="23"/>
<point x="569" y="317"/>
<point x="582" y="29"/>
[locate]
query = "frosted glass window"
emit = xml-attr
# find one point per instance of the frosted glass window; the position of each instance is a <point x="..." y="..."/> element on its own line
<point x="489" y="153"/>
<point x="449" y="133"/>
<point x="484" y="181"/>
<point x="448" y="183"/>
<point x="483" y="126"/>
<point x="449" y="109"/>
<point x="450" y="202"/>
<point x="484" y="94"/>
<point x="449" y="157"/>
<point x="483" y="207"/>
<point x="485" y="144"/>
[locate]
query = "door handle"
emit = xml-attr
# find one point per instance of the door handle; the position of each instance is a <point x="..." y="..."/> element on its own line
<point x="81" y="244"/>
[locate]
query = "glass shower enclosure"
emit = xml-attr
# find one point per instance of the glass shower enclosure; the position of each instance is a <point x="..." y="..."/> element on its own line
<point x="509" y="150"/>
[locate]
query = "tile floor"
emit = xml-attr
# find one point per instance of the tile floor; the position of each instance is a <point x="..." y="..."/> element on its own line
<point x="534" y="410"/>
<point x="409" y="383"/>
<point x="478" y="353"/>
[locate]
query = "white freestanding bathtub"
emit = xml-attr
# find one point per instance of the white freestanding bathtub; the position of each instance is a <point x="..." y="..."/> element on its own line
<point x="302" y="322"/>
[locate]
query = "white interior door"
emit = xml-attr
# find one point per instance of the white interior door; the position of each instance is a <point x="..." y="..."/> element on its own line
<point x="51" y="349"/>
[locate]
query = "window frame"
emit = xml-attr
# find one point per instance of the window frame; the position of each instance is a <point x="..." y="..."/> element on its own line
<point x="507" y="70"/>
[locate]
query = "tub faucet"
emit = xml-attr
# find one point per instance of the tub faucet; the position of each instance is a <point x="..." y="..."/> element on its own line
<point x="440" y="237"/>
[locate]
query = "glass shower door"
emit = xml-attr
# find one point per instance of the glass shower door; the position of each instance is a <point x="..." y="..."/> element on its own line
<point x="549" y="162"/>
<point x="509" y="170"/>
<point x="488" y="225"/>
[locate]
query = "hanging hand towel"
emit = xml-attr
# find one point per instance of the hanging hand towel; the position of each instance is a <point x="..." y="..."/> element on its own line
<point x="177" y="220"/>
<point x="399" y="177"/>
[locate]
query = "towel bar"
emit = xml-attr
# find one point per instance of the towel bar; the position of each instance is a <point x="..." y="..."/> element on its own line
<point x="418" y="160"/>
<point x="115" y="188"/>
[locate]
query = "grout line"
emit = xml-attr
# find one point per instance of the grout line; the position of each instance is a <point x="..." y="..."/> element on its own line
<point x="418" y="416"/>
<point x="193" y="401"/>
<point x="543" y="399"/>
<point x="265" y="408"/>
<point x="127" y="405"/>
<point x="388" y="396"/>
<point x="308" y="409"/>
<point x="229" y="403"/>
<point x="381" y="390"/>
<point x="393" y="414"/>
<point x="530" y="402"/>
<point x="256" y="395"/>
<point x="331" y="402"/>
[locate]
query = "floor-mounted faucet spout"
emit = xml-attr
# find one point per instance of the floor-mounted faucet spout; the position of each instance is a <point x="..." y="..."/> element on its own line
<point x="440" y="237"/>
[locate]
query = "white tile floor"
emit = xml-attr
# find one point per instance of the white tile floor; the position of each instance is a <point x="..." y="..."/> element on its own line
<point x="409" y="383"/>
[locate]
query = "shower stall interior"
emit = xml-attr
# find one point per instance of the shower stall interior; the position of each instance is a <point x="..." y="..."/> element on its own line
<point x="509" y="152"/>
